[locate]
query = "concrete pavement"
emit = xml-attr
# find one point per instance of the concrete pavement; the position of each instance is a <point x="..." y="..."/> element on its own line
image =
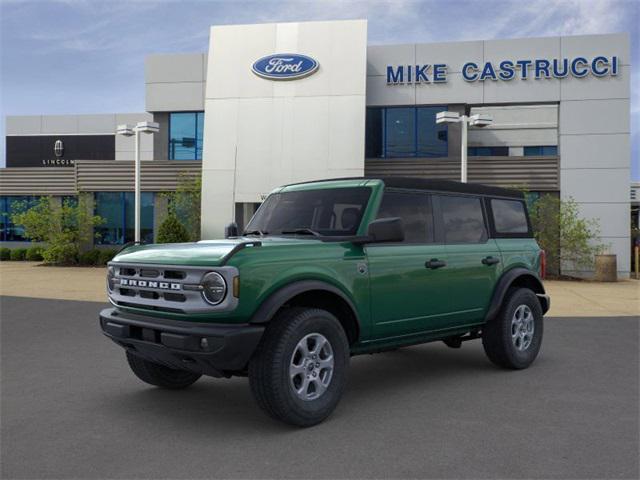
<point x="72" y="409"/>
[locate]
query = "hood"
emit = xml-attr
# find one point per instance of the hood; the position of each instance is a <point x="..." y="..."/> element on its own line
<point x="203" y="253"/>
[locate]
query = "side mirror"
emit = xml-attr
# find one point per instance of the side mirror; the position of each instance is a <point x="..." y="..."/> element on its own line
<point x="231" y="230"/>
<point x="386" y="230"/>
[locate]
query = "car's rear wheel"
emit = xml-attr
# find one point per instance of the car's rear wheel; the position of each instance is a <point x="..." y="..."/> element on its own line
<point x="299" y="371"/>
<point x="513" y="338"/>
<point x="159" y="375"/>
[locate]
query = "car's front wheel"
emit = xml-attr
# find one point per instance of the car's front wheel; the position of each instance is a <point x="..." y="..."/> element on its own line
<point x="299" y="371"/>
<point x="512" y="339"/>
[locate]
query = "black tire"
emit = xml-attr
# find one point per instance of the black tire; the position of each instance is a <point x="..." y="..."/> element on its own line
<point x="269" y="377"/>
<point x="497" y="333"/>
<point x="159" y="375"/>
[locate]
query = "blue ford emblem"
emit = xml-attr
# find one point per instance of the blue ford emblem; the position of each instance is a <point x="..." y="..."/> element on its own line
<point x="284" y="66"/>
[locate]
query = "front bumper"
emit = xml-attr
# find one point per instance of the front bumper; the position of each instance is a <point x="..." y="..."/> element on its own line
<point x="180" y="345"/>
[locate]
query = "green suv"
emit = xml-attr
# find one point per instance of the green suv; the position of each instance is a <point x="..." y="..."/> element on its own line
<point x="326" y="270"/>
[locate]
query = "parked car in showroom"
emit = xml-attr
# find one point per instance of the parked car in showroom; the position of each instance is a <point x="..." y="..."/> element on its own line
<point x="326" y="270"/>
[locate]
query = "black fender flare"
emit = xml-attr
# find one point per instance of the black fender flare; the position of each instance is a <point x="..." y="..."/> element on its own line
<point x="506" y="280"/>
<point x="276" y="300"/>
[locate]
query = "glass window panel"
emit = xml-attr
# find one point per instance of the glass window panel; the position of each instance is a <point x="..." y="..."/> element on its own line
<point x="532" y="151"/>
<point x="400" y="132"/>
<point x="545" y="150"/>
<point x="146" y="217"/>
<point x="509" y="216"/>
<point x="109" y="207"/>
<point x="182" y="136"/>
<point x="13" y="232"/>
<point x="499" y="151"/>
<point x="432" y="137"/>
<point x="199" y="134"/>
<point x="415" y="211"/>
<point x="463" y="219"/>
<point x="531" y="198"/>
<point x="4" y="218"/>
<point x="374" y="131"/>
<point x="117" y="208"/>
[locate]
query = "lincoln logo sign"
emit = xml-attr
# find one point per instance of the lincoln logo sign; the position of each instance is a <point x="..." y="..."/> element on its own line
<point x="285" y="66"/>
<point x="58" y="148"/>
<point x="505" y="70"/>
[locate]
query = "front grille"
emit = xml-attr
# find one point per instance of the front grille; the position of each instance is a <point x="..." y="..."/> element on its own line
<point x="149" y="273"/>
<point x="167" y="288"/>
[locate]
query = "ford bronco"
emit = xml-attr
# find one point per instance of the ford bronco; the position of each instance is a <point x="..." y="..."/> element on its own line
<point x="326" y="270"/>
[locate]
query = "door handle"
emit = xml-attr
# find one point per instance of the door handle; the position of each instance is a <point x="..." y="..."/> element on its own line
<point x="490" y="260"/>
<point x="435" y="263"/>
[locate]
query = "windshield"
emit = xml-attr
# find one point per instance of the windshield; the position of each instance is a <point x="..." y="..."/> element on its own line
<point x="326" y="212"/>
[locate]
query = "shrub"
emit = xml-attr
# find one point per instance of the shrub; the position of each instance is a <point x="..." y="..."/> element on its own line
<point x="64" y="227"/>
<point x="34" y="254"/>
<point x="5" y="254"/>
<point x="65" y="254"/>
<point x="90" y="257"/>
<point x="172" y="231"/>
<point x="570" y="241"/>
<point x="106" y="256"/>
<point x="18" y="254"/>
<point x="184" y="203"/>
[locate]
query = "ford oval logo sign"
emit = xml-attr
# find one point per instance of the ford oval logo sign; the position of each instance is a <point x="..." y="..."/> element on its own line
<point x="285" y="66"/>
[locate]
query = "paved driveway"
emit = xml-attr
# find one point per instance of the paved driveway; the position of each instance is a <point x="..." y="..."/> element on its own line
<point x="71" y="409"/>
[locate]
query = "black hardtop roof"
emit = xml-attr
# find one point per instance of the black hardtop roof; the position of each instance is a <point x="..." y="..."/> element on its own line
<point x="434" y="185"/>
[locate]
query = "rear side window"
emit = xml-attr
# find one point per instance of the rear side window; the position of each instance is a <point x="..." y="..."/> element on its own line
<point x="509" y="216"/>
<point x="415" y="211"/>
<point x="463" y="219"/>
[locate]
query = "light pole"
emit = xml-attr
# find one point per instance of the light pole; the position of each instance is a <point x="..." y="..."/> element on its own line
<point x="128" y="131"/>
<point x="477" y="120"/>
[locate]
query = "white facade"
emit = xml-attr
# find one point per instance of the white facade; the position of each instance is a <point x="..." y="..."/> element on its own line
<point x="261" y="133"/>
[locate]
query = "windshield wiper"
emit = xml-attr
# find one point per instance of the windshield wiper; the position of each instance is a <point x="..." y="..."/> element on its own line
<point x="254" y="232"/>
<point x="302" y="231"/>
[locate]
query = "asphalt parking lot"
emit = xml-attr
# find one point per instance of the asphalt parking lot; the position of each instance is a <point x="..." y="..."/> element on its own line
<point x="71" y="409"/>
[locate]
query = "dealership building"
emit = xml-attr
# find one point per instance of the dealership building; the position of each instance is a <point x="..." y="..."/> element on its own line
<point x="271" y="104"/>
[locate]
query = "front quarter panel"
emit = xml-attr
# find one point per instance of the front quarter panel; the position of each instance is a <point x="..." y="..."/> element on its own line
<point x="264" y="272"/>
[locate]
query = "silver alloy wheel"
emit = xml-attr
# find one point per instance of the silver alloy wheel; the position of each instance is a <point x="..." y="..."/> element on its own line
<point x="311" y="366"/>
<point x="522" y="327"/>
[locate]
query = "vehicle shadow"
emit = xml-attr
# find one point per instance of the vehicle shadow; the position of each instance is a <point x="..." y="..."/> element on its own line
<point x="227" y="405"/>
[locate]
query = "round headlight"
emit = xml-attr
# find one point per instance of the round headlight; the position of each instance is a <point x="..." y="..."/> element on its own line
<point x="111" y="272"/>
<point x="214" y="288"/>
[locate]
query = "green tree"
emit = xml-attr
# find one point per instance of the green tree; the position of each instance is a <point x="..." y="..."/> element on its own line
<point x="172" y="231"/>
<point x="184" y="203"/>
<point x="571" y="242"/>
<point x="64" y="228"/>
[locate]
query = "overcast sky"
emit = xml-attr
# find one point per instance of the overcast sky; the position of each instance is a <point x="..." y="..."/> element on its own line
<point x="83" y="56"/>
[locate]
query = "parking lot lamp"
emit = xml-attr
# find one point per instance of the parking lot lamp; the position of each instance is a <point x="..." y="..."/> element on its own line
<point x="477" y="120"/>
<point x="128" y="131"/>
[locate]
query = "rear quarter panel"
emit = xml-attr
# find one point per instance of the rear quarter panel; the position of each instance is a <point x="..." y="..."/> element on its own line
<point x="519" y="252"/>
